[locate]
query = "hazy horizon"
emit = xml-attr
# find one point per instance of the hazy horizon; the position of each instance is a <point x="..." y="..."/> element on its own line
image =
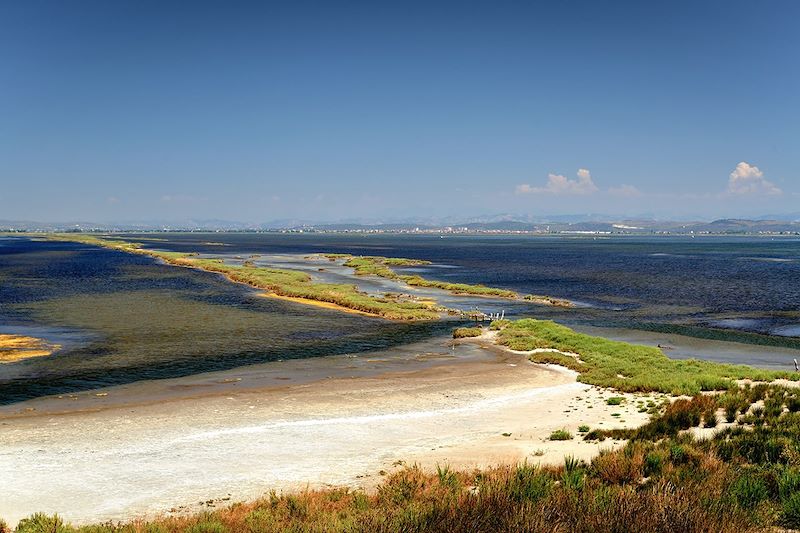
<point x="159" y="111"/>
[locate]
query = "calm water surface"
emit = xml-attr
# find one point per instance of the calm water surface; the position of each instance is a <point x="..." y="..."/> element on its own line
<point x="124" y="318"/>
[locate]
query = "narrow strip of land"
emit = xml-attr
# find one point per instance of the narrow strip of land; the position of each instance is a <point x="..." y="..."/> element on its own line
<point x="300" y="287"/>
<point x="618" y="365"/>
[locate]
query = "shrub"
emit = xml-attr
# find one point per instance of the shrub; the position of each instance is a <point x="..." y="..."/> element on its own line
<point x="748" y="490"/>
<point x="583" y="428"/>
<point x="620" y="468"/>
<point x="677" y="454"/>
<point x="790" y="512"/>
<point x="42" y="523"/>
<point x="730" y="412"/>
<point x="360" y="501"/>
<point x="710" y="419"/>
<point x="207" y="525"/>
<point x="758" y="392"/>
<point x="528" y="483"/>
<point x="788" y="482"/>
<point x="615" y="400"/>
<point x="460" y="333"/>
<point x="595" y="434"/>
<point x="4" y="527"/>
<point x="561" y="434"/>
<point x="447" y="478"/>
<point x="402" y="486"/>
<point x="261" y="520"/>
<point x="497" y="325"/>
<point x="793" y="404"/>
<point x="653" y="463"/>
<point x="573" y="477"/>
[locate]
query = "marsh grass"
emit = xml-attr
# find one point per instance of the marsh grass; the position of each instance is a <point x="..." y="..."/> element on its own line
<point x="460" y="333"/>
<point x="627" y="367"/>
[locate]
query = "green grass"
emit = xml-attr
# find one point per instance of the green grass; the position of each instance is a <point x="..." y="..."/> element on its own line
<point x="561" y="434"/>
<point x="623" y="366"/>
<point x="460" y="333"/>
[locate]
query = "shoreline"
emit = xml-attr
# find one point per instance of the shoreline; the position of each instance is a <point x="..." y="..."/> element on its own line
<point x="341" y="431"/>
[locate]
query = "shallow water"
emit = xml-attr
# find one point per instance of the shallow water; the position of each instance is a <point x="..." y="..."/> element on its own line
<point x="124" y="318"/>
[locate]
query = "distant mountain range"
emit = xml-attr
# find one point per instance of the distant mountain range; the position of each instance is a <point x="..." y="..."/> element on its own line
<point x="585" y="223"/>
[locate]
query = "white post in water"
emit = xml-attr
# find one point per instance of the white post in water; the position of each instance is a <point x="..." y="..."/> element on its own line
<point x="796" y="369"/>
<point x="503" y="316"/>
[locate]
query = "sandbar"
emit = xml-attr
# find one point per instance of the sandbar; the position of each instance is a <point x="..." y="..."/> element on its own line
<point x="15" y="348"/>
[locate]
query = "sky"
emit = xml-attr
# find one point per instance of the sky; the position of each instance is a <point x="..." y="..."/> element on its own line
<point x="159" y="110"/>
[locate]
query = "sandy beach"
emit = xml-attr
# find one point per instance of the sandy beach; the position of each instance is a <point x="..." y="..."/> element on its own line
<point x="145" y="459"/>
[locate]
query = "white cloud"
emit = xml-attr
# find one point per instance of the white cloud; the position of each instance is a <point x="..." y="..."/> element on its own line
<point x="558" y="184"/>
<point x="628" y="191"/>
<point x="748" y="179"/>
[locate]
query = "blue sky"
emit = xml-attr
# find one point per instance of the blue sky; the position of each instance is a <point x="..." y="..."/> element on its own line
<point x="331" y="110"/>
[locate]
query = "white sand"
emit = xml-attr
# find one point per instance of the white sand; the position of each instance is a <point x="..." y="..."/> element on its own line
<point x="125" y="462"/>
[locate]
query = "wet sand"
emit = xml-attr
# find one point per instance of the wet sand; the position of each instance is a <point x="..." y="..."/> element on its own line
<point x="129" y="460"/>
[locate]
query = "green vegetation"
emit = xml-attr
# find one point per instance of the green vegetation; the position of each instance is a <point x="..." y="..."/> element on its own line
<point x="623" y="366"/>
<point x="381" y="266"/>
<point x="460" y="333"/>
<point x="615" y="400"/>
<point x="547" y="300"/>
<point x="561" y="434"/>
<point x="281" y="282"/>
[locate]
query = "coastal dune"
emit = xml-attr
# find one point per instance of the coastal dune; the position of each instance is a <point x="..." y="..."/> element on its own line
<point x="178" y="456"/>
